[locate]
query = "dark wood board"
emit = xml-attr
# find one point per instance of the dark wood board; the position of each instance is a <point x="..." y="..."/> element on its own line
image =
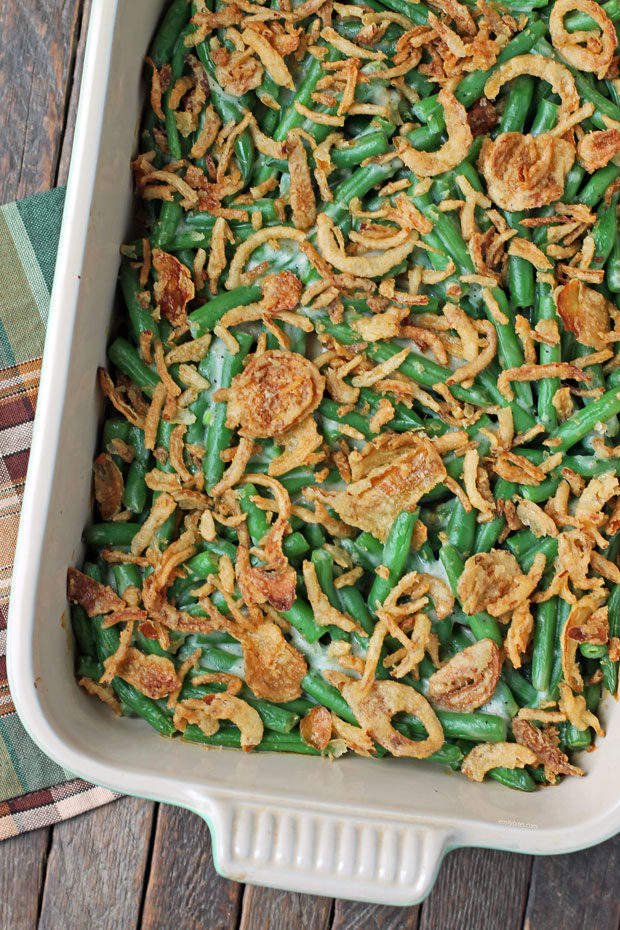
<point x="352" y="915"/>
<point x="268" y="909"/>
<point x="183" y="888"/>
<point x="576" y="892"/>
<point x="96" y="868"/>
<point x="22" y="871"/>
<point x="478" y="889"/>
<point x="38" y="40"/>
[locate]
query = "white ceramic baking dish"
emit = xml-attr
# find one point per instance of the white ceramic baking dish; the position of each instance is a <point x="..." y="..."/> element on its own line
<point x="362" y="829"/>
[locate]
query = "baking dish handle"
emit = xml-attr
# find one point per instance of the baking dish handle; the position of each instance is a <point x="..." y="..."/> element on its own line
<point x="387" y="861"/>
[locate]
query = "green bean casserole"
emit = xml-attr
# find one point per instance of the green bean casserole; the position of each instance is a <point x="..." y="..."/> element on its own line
<point x="357" y="487"/>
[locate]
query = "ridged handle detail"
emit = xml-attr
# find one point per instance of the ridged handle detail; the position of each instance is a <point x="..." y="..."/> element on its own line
<point x="387" y="862"/>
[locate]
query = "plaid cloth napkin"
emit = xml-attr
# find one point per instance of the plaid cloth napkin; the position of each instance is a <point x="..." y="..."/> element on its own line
<point x="34" y="791"/>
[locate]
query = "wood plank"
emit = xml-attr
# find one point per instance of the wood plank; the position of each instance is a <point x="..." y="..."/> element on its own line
<point x="269" y="909"/>
<point x="576" y="891"/>
<point x="36" y="56"/>
<point x="74" y="95"/>
<point x="478" y="888"/>
<point x="96" y="868"/>
<point x="353" y="915"/>
<point x="183" y="889"/>
<point x="22" y="867"/>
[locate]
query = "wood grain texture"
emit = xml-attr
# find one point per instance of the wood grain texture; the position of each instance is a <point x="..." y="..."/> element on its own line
<point x="75" y="85"/>
<point x="478" y="888"/>
<point x="352" y="915"/>
<point x="96" y="868"/>
<point x="183" y="889"/>
<point x="36" y="56"/>
<point x="269" y="909"/>
<point x="22" y="867"/>
<point x="577" y="891"/>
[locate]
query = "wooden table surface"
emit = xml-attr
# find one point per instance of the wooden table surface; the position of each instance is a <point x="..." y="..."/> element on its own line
<point x="135" y="864"/>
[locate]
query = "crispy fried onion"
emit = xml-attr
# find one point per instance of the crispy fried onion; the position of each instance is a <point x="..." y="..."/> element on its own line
<point x="519" y="633"/>
<point x="152" y="675"/>
<point x="324" y="613"/>
<point x="451" y="153"/>
<point x="525" y="172"/>
<point x="274" y="582"/>
<point x="577" y="713"/>
<point x="389" y="474"/>
<point x="493" y="581"/>
<point x="299" y="442"/>
<point x="468" y="680"/>
<point x="245" y="249"/>
<point x="94" y="597"/>
<point x="585" y="312"/>
<point x="539" y="66"/>
<point x="206" y="714"/>
<point x="273" y="668"/>
<point x="228" y="707"/>
<point x="362" y="266"/>
<point x="174" y="287"/>
<point x="301" y="194"/>
<point x="315" y="727"/>
<point x="579" y="615"/>
<point x="375" y="710"/>
<point x="544" y="742"/>
<point x="597" y="52"/>
<point x="108" y="485"/>
<point x="276" y="391"/>
<point x="537" y="373"/>
<point x="486" y="756"/>
<point x="597" y="148"/>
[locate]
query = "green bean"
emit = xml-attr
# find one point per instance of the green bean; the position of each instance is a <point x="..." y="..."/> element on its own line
<point x="583" y="421"/>
<point x="126" y="358"/>
<point x="230" y="738"/>
<point x="610" y="668"/>
<point x="597" y="184"/>
<point x="83" y="632"/>
<point x="204" y="318"/>
<point x="612" y="272"/>
<point x="519" y="685"/>
<point x="519" y="99"/>
<point x="462" y="528"/>
<point x="605" y="232"/>
<point x="300" y="615"/>
<point x="329" y="409"/>
<point x="110" y="535"/>
<point x="135" y="491"/>
<point x="395" y="551"/>
<point x="140" y="317"/>
<point x="513" y="778"/>
<point x="324" y="693"/>
<point x="369" y="145"/>
<point x="544" y="638"/>
<point x="169" y="218"/>
<point x="174" y="20"/>
<point x="487" y="534"/>
<point x="218" y="434"/>
<point x="352" y="602"/>
<point x="486" y="728"/>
